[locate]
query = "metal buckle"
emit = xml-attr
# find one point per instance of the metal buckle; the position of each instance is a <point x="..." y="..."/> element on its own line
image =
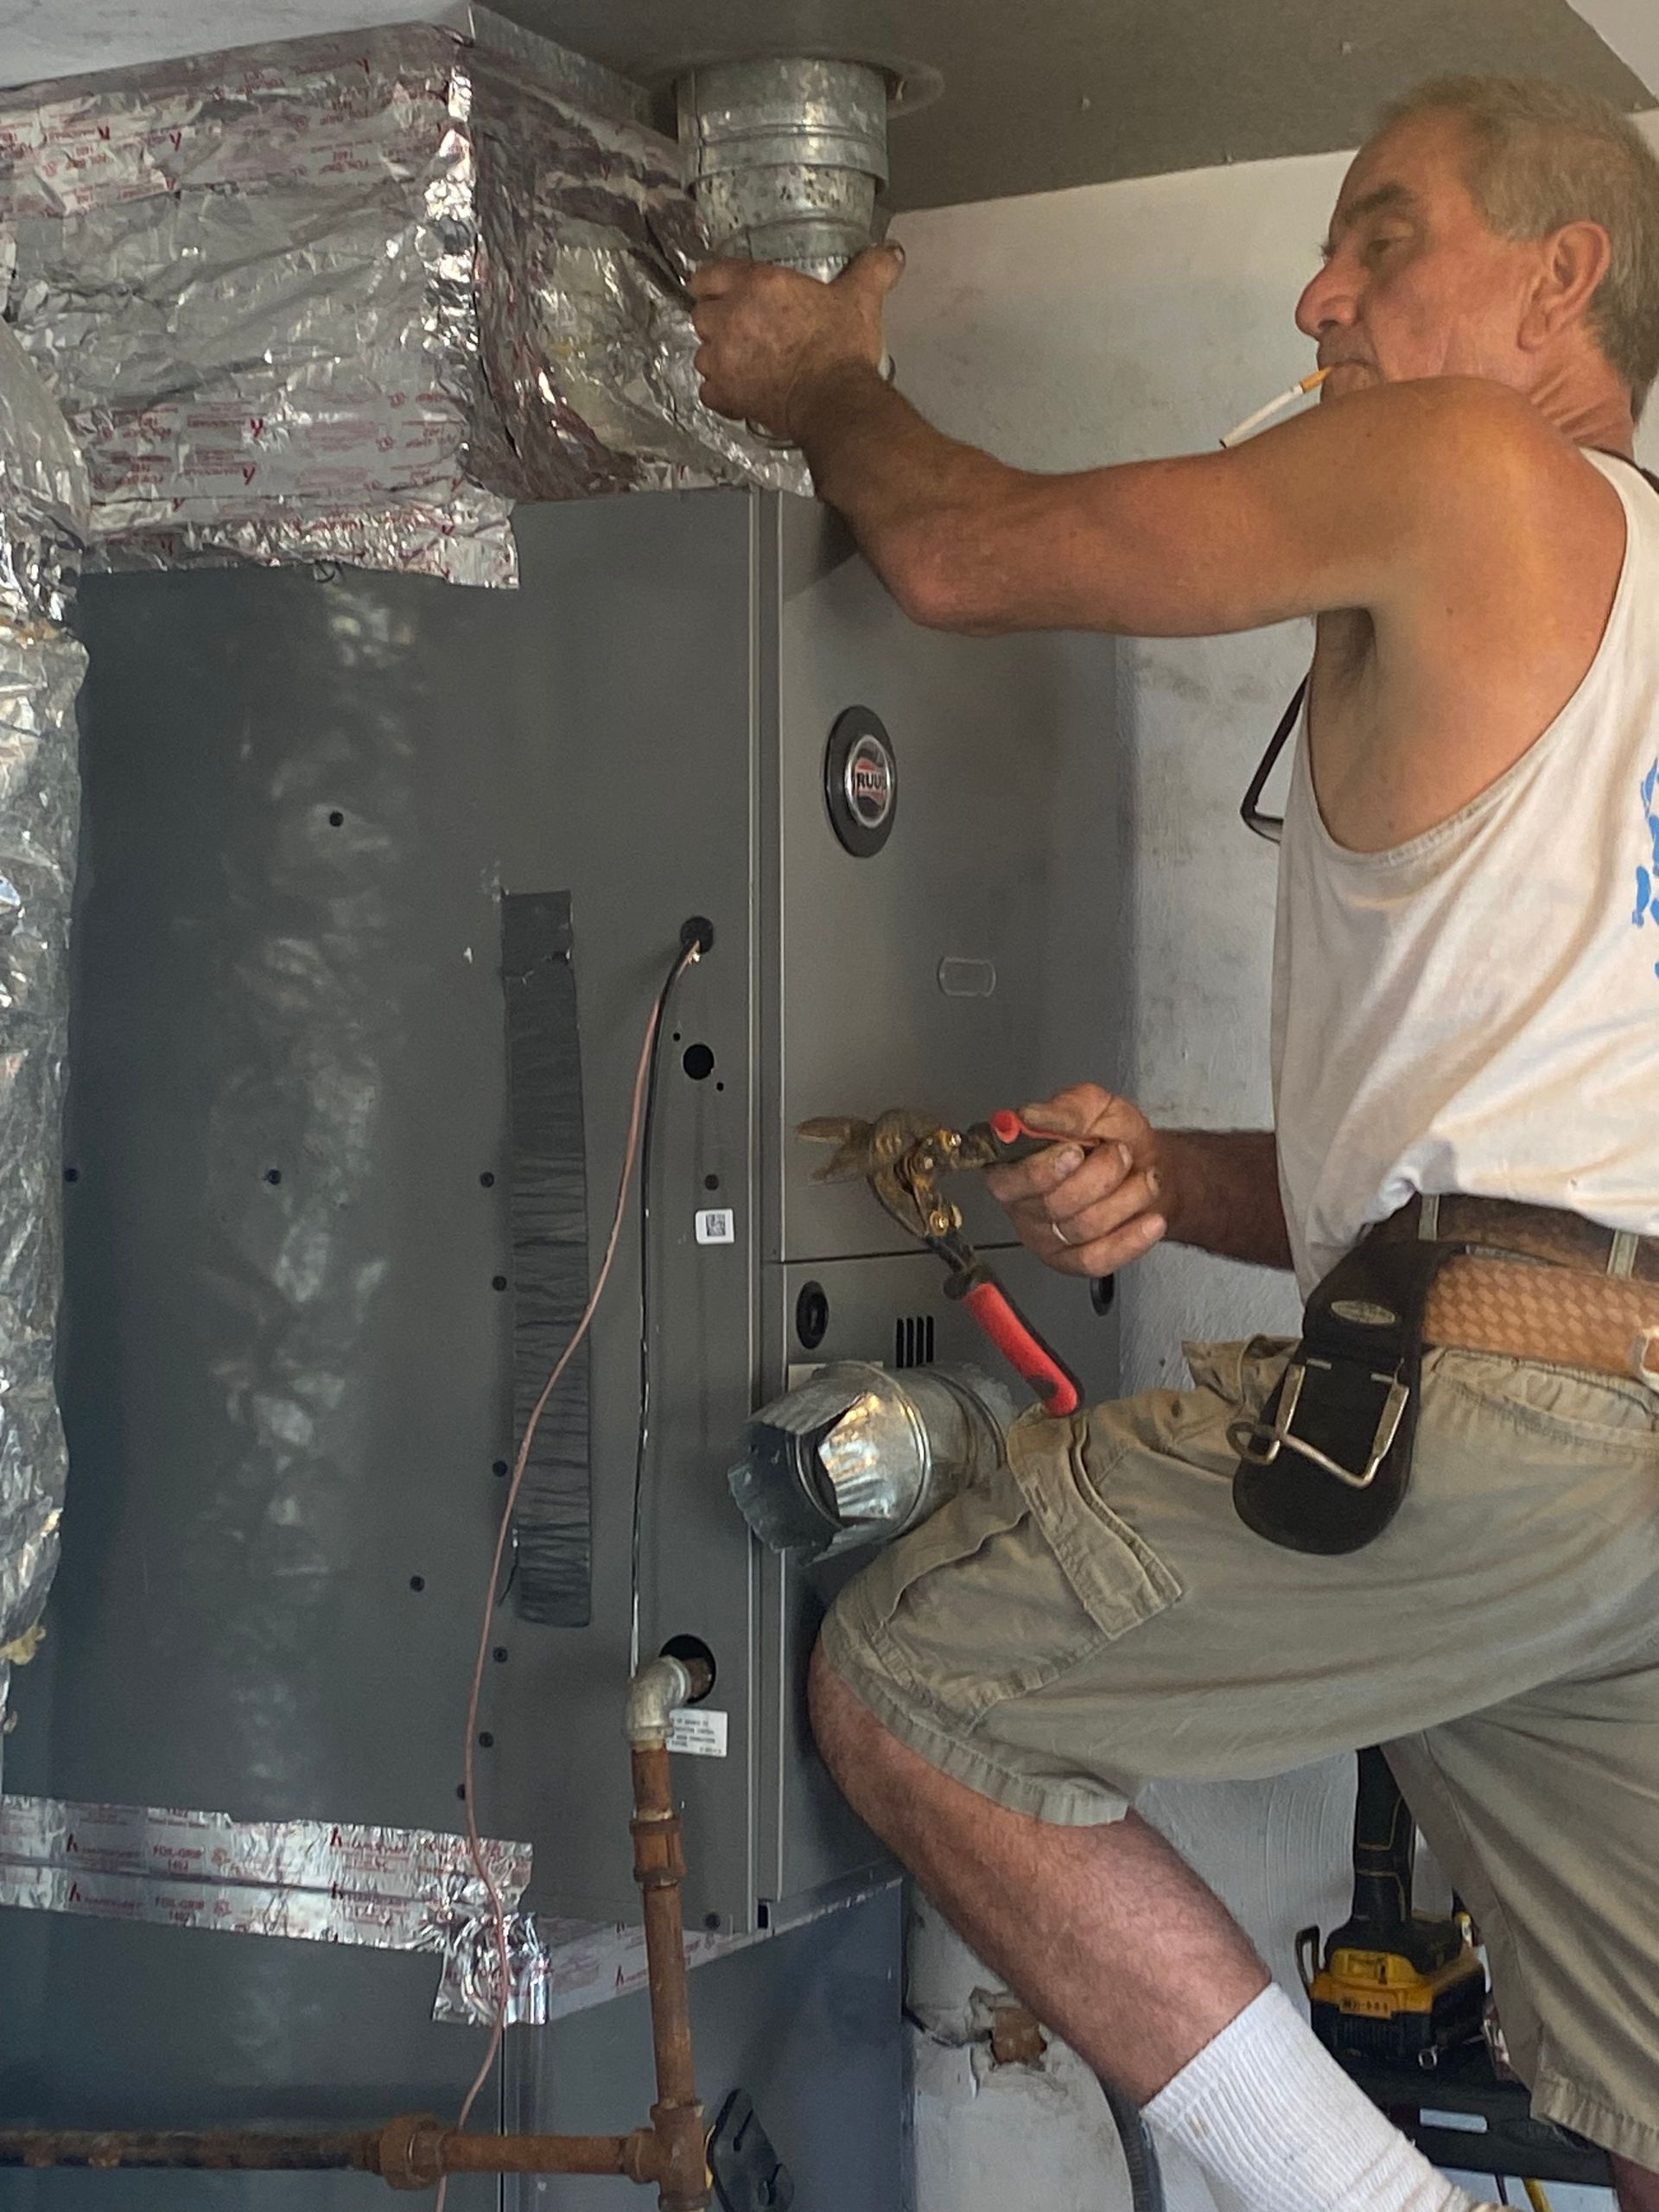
<point x="1255" y="1441"/>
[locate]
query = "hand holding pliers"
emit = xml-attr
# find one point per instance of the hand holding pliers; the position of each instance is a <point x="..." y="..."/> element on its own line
<point x="901" y="1155"/>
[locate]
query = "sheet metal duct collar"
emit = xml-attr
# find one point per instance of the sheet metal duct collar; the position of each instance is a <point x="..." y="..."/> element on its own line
<point x="856" y="1455"/>
<point x="786" y="158"/>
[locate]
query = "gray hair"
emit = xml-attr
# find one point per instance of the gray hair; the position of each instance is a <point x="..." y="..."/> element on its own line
<point x="1544" y="155"/>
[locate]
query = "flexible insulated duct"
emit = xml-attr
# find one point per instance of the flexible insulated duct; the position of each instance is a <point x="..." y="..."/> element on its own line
<point x="43" y="504"/>
<point x="347" y="297"/>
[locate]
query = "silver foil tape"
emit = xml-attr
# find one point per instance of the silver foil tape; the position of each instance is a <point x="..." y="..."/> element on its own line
<point x="559" y="1966"/>
<point x="342" y="298"/>
<point x="43" y="500"/>
<point x="555" y="1966"/>
<point x="324" y="1882"/>
<point x="394" y="1889"/>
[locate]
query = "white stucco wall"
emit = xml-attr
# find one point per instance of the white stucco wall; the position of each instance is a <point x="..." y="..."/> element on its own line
<point x="1112" y="323"/>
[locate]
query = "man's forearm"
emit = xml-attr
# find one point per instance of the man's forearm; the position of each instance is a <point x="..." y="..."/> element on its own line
<point x="911" y="494"/>
<point x="1224" y="1189"/>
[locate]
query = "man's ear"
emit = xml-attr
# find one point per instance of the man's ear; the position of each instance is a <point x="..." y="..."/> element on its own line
<point x="1572" y="263"/>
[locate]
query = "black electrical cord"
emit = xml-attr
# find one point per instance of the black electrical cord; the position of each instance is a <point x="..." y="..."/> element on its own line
<point x="1140" y="2154"/>
<point x="695" y="938"/>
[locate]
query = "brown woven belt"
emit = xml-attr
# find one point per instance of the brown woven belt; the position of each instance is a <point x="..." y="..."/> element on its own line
<point x="1549" y="1286"/>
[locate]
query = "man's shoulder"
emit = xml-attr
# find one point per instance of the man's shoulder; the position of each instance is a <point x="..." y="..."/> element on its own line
<point x="1450" y="428"/>
<point x="1484" y="475"/>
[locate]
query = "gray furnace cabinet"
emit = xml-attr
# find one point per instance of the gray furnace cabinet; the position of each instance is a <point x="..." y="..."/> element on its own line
<point x="322" y="1224"/>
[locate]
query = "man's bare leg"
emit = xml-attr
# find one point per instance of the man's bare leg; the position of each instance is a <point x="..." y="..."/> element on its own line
<point x="1114" y="1941"/>
<point x="1105" y="1933"/>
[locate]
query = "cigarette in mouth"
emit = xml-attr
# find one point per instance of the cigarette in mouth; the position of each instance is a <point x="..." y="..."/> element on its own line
<point x="1276" y="407"/>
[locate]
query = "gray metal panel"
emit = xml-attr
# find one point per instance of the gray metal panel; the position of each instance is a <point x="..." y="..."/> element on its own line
<point x="651" y="603"/>
<point x="285" y="1397"/>
<point x="169" y="2027"/>
<point x="988" y="734"/>
<point x="235" y="1625"/>
<point x="809" y="2023"/>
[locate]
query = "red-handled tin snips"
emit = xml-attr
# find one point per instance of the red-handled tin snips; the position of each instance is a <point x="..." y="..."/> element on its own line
<point x="901" y="1155"/>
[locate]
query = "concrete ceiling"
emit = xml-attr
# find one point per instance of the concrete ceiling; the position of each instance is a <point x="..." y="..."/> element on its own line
<point x="1036" y="96"/>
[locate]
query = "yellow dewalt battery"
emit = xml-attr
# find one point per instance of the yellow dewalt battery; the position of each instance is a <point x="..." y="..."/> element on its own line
<point x="1395" y="1984"/>
<point x="1383" y="2004"/>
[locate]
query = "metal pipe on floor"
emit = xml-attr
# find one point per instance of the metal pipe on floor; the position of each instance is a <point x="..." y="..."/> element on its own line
<point x="413" y="2152"/>
<point x="223" y="2150"/>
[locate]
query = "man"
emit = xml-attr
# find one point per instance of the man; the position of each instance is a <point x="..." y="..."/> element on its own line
<point x="1466" y="1001"/>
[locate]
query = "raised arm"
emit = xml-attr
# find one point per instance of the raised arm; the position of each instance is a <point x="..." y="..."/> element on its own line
<point x="1090" y="1212"/>
<point x="1389" y="499"/>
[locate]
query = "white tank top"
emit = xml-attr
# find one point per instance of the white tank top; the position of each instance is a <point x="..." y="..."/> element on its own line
<point x="1477" y="1010"/>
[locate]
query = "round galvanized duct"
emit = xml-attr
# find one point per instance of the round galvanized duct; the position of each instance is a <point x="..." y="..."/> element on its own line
<point x="786" y="158"/>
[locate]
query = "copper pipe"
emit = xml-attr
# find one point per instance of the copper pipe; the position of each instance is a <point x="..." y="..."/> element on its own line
<point x="660" y="1869"/>
<point x="636" y="2157"/>
<point x="226" y="2149"/>
<point x="413" y="2152"/>
<point x="418" y="2153"/>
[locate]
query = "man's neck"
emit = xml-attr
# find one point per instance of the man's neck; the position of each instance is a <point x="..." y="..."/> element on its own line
<point x="1608" y="430"/>
<point x="1600" y="416"/>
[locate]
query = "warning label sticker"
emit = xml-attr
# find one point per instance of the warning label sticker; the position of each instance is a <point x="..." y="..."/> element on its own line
<point x="697" y="1731"/>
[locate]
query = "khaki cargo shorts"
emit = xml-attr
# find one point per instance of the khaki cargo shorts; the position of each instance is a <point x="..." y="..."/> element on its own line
<point x="1095" y="1616"/>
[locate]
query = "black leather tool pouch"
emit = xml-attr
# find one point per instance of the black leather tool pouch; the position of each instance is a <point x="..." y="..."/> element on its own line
<point x="1326" y="1464"/>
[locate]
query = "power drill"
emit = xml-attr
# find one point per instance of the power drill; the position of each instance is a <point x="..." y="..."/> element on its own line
<point x="1396" y="1985"/>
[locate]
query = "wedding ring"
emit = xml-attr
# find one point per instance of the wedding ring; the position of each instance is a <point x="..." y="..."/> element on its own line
<point x="1060" y="1236"/>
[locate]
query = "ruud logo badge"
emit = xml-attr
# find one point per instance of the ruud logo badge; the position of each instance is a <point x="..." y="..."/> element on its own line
<point x="861" y="781"/>
<point x="869" y="781"/>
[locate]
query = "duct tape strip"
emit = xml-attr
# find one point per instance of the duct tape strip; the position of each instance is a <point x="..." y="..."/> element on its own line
<point x="553" y="1525"/>
<point x="561" y="1967"/>
<point x="326" y="1882"/>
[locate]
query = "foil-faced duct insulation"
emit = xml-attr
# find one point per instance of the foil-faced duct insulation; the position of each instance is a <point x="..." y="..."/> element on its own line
<point x="347" y="297"/>
<point x="43" y="503"/>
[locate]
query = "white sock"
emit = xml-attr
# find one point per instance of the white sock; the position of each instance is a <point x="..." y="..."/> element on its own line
<point x="1267" y="2111"/>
